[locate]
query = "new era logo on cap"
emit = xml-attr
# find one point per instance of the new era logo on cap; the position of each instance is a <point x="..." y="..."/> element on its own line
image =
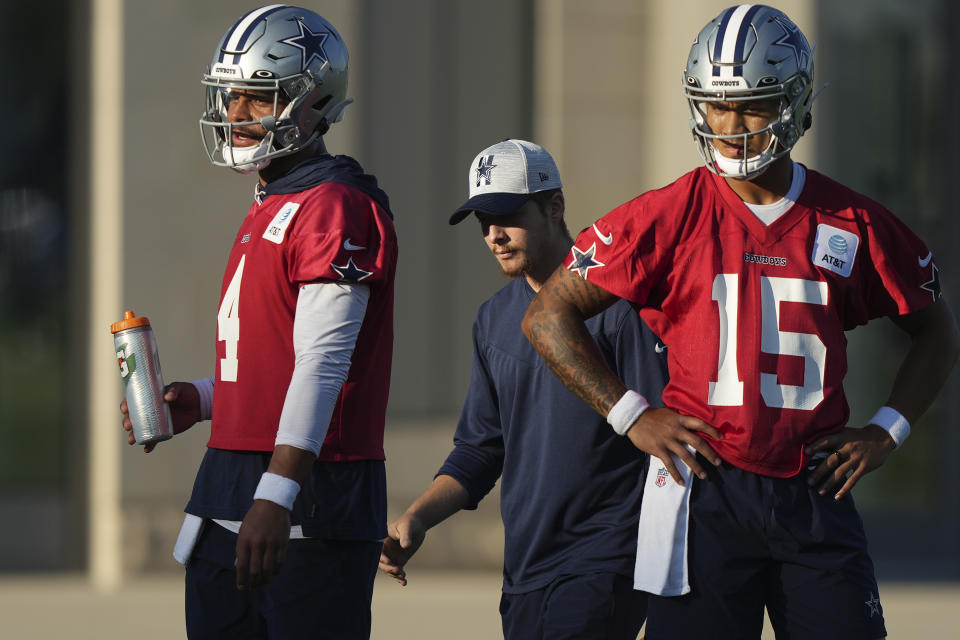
<point x="504" y="176"/>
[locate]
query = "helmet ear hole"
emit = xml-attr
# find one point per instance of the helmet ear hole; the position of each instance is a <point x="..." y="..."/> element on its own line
<point x="807" y="121"/>
<point x="289" y="136"/>
<point x="324" y="125"/>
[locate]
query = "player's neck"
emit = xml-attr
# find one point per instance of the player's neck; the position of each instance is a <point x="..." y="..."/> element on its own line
<point x="767" y="188"/>
<point x="552" y="258"/>
<point x="280" y="166"/>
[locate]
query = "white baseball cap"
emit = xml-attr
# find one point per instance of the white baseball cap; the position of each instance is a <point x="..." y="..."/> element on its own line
<point x="503" y="177"/>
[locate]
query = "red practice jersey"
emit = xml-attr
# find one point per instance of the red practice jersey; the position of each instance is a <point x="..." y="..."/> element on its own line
<point x="754" y="316"/>
<point x="331" y="232"/>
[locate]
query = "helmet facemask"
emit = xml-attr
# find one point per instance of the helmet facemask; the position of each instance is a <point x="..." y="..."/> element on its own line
<point x="784" y="129"/>
<point x="284" y="128"/>
<point x="216" y="130"/>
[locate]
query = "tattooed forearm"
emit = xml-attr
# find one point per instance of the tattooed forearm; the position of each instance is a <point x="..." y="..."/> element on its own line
<point x="574" y="290"/>
<point x="554" y="324"/>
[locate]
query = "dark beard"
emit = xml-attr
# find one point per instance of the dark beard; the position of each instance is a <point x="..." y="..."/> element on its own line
<point x="513" y="274"/>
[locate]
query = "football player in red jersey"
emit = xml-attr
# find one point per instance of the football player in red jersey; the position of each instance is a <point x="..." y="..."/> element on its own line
<point x="283" y="529"/>
<point x="750" y="269"/>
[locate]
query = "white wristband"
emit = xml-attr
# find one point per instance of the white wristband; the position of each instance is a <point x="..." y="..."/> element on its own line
<point x="278" y="489"/>
<point x="205" y="391"/>
<point x="626" y="411"/>
<point x="895" y="424"/>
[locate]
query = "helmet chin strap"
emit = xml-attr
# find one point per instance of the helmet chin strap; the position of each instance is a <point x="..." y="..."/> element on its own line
<point x="745" y="169"/>
<point x="250" y="159"/>
<point x="738" y="168"/>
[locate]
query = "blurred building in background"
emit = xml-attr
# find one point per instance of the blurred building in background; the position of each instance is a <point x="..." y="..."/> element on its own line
<point x="107" y="202"/>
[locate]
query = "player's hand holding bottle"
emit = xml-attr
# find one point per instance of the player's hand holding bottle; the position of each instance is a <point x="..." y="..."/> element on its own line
<point x="184" y="401"/>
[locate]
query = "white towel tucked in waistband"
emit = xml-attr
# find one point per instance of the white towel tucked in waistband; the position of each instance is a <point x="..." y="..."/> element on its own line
<point x="661" y="566"/>
<point x="193" y="525"/>
<point x="187" y="539"/>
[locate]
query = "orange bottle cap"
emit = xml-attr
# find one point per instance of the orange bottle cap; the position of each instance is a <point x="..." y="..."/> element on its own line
<point x="130" y="320"/>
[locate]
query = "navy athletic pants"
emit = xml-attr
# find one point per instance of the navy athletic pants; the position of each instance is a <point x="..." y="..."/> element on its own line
<point x="757" y="541"/>
<point x="323" y="591"/>
<point x="598" y="606"/>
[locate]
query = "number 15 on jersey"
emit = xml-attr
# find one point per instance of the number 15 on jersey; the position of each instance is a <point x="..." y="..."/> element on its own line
<point x="728" y="389"/>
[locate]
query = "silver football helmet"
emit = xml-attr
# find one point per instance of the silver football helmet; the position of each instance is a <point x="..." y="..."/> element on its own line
<point x="750" y="52"/>
<point x="294" y="56"/>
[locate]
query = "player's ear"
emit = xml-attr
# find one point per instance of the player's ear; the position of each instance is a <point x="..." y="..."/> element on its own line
<point x="556" y="206"/>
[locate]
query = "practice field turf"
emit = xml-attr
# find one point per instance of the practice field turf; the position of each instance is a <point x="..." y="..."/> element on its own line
<point x="435" y="606"/>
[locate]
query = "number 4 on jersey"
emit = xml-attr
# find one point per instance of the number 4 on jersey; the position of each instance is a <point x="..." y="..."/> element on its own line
<point x="228" y="325"/>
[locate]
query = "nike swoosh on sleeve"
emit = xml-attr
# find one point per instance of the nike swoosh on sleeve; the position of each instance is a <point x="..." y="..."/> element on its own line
<point x="925" y="261"/>
<point x="349" y="246"/>
<point x="605" y="239"/>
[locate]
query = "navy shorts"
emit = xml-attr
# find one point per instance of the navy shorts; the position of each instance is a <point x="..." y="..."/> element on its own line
<point x="323" y="591"/>
<point x="757" y="541"/>
<point x="600" y="606"/>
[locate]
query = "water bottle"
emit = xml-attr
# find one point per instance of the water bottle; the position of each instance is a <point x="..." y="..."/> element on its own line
<point x="139" y="362"/>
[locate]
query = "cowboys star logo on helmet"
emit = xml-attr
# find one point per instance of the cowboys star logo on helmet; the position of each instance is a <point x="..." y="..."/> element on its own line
<point x="312" y="46"/>
<point x="282" y="53"/>
<point x="750" y="52"/>
<point x="793" y="38"/>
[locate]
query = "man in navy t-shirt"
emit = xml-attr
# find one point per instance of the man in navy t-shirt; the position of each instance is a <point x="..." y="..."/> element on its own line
<point x="572" y="487"/>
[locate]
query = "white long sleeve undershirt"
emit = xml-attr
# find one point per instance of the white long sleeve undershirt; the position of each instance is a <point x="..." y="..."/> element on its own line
<point x="325" y="330"/>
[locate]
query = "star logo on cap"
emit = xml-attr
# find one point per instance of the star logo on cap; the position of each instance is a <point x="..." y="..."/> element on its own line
<point x="583" y="261"/>
<point x="485" y="169"/>
<point x="309" y="43"/>
<point x="350" y="271"/>
<point x="873" y="604"/>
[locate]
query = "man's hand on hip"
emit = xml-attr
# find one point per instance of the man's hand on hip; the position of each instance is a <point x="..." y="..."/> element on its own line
<point x="664" y="433"/>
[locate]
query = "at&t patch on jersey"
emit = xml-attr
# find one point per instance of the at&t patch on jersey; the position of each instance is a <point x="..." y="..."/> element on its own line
<point x="278" y="226"/>
<point x="835" y="249"/>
